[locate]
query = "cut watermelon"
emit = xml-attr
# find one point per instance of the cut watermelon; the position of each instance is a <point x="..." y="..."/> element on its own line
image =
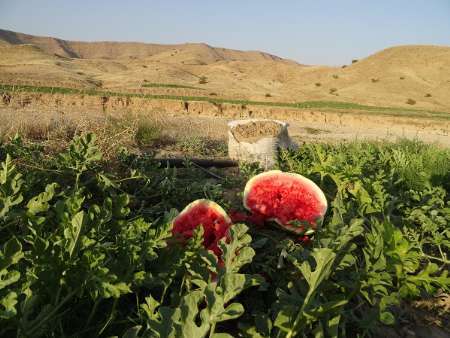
<point x="210" y="215"/>
<point x="294" y="202"/>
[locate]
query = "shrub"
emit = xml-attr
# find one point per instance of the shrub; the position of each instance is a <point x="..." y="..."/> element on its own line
<point x="268" y="95"/>
<point x="344" y="66"/>
<point x="318" y="84"/>
<point x="202" y="146"/>
<point x="203" y="80"/>
<point x="427" y="95"/>
<point x="315" y="131"/>
<point x="354" y="60"/>
<point x="402" y="77"/>
<point x="374" y="80"/>
<point x="410" y="101"/>
<point x="333" y="91"/>
<point x="147" y="133"/>
<point x="96" y="83"/>
<point x="335" y="76"/>
<point x="213" y="94"/>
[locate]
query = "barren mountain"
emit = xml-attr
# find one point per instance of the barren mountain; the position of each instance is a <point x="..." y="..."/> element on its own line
<point x="114" y="50"/>
<point x="403" y="76"/>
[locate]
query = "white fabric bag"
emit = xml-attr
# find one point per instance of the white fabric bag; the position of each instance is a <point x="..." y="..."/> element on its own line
<point x="264" y="149"/>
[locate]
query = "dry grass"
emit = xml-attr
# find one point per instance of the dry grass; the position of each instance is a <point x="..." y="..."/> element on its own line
<point x="143" y="132"/>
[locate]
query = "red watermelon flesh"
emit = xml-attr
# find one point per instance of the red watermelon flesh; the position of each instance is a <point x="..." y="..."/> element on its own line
<point x="289" y="199"/>
<point x="208" y="214"/>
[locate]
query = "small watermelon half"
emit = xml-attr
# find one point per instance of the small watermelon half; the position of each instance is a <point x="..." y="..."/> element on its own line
<point x="208" y="214"/>
<point x="293" y="201"/>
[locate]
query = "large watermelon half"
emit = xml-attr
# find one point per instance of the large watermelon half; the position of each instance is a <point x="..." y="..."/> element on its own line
<point x="296" y="203"/>
<point x="210" y="216"/>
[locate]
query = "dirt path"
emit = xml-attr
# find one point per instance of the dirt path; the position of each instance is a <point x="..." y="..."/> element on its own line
<point x="318" y="131"/>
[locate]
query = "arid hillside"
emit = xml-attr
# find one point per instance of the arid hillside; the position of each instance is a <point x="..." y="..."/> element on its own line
<point x="403" y="76"/>
<point x="113" y="50"/>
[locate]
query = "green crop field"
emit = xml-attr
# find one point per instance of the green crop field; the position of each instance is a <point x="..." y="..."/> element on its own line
<point x="168" y="85"/>
<point x="347" y="107"/>
<point x="86" y="245"/>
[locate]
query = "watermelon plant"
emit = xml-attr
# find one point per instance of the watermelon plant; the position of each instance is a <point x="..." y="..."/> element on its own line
<point x="89" y="248"/>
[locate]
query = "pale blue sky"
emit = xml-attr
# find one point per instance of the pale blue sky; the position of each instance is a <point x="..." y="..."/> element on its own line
<point x="312" y="32"/>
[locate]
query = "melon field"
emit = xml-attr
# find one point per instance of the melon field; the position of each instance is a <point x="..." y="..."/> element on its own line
<point x="87" y="250"/>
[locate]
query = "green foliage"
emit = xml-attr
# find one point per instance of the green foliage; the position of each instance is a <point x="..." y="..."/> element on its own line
<point x="217" y="293"/>
<point x="10" y="255"/>
<point x="200" y="146"/>
<point x="168" y="85"/>
<point x="147" y="133"/>
<point x="86" y="247"/>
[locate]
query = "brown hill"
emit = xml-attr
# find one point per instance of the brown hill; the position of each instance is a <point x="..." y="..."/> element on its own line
<point x="114" y="50"/>
<point x="404" y="76"/>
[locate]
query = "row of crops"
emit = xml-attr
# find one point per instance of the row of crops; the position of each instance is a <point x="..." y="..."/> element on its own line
<point x="86" y="247"/>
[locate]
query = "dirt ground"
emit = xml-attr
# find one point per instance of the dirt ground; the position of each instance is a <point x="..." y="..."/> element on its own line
<point x="302" y="130"/>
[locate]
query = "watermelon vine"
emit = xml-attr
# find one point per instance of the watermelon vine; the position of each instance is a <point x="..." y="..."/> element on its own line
<point x="87" y="247"/>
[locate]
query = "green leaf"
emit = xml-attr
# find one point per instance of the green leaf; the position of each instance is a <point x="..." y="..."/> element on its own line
<point x="232" y="311"/>
<point x="221" y="335"/>
<point x="324" y="258"/>
<point x="8" y="306"/>
<point x="8" y="278"/>
<point x="11" y="184"/>
<point x="387" y="318"/>
<point x="40" y="203"/>
<point x="238" y="252"/>
<point x="11" y="253"/>
<point x="132" y="332"/>
<point x="74" y="231"/>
